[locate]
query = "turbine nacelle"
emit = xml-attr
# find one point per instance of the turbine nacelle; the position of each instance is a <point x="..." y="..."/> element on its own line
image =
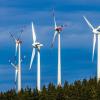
<point x="96" y="30"/>
<point x="18" y="41"/>
<point x="37" y="45"/>
<point x="58" y="29"/>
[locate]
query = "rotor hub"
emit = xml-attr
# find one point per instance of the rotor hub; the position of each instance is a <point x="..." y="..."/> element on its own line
<point x="18" y="41"/>
<point x="59" y="29"/>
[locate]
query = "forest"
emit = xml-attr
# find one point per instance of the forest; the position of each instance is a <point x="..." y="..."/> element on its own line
<point x="78" y="90"/>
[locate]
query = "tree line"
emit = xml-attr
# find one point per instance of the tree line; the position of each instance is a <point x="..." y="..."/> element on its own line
<point x="79" y="90"/>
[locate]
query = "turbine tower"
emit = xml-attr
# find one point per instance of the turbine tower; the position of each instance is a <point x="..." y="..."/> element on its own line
<point x="18" y="66"/>
<point x="96" y="35"/>
<point x="36" y="45"/>
<point x="58" y="29"/>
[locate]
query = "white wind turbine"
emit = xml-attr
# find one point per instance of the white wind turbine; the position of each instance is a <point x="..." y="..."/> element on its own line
<point x="36" y="45"/>
<point x="96" y="34"/>
<point x="16" y="71"/>
<point x="18" y="67"/>
<point x="58" y="30"/>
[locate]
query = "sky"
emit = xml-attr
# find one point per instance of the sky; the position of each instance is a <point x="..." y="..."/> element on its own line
<point x="76" y="40"/>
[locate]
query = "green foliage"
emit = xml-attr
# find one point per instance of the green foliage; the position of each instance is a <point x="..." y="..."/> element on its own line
<point x="79" y="90"/>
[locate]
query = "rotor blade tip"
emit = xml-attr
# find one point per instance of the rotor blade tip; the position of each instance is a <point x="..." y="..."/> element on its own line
<point x="30" y="67"/>
<point x="92" y="59"/>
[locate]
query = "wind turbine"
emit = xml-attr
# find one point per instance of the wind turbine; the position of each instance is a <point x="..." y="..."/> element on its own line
<point x="96" y="35"/>
<point x="18" y="43"/>
<point x="58" y="30"/>
<point x="16" y="71"/>
<point x="36" y="45"/>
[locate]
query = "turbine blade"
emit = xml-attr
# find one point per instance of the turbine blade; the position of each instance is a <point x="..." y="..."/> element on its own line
<point x="13" y="65"/>
<point x="64" y="25"/>
<point x="53" y="38"/>
<point x="12" y="36"/>
<point x="94" y="42"/>
<point x="89" y="24"/>
<point x="41" y="45"/>
<point x="16" y="49"/>
<point x="16" y="73"/>
<point x="33" y="54"/>
<point x="54" y="20"/>
<point x="33" y="33"/>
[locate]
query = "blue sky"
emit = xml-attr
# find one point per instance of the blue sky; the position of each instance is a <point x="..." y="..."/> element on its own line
<point x="76" y="39"/>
